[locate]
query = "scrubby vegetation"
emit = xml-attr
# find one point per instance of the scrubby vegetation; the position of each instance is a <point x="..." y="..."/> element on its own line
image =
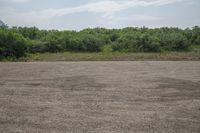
<point x="17" y="42"/>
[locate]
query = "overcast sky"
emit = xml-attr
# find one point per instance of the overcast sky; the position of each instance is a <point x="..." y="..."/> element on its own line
<point x="79" y="14"/>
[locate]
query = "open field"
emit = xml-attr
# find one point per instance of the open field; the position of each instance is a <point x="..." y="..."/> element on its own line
<point x="100" y="97"/>
<point x="115" y="56"/>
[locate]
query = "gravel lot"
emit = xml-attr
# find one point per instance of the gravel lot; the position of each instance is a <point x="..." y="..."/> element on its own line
<point x="100" y="97"/>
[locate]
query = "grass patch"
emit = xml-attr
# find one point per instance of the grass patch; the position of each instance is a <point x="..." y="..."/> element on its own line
<point x="114" y="56"/>
<point x="195" y="48"/>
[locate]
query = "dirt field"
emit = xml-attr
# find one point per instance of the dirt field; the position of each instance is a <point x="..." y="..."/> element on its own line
<point x="100" y="97"/>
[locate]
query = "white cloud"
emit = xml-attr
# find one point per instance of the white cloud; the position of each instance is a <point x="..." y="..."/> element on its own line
<point x="108" y="10"/>
<point x="16" y="1"/>
<point x="138" y="17"/>
<point x="107" y="7"/>
<point x="131" y="20"/>
<point x="14" y="18"/>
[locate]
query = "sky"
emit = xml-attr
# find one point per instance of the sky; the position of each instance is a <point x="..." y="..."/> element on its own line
<point x="80" y="14"/>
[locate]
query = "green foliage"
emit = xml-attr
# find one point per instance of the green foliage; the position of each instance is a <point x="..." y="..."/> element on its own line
<point x="90" y="43"/>
<point x="195" y="39"/>
<point x="71" y="43"/>
<point x="52" y="43"/>
<point x="17" y="41"/>
<point x="12" y="45"/>
<point x="174" y="42"/>
<point x="106" y="49"/>
<point x="137" y="43"/>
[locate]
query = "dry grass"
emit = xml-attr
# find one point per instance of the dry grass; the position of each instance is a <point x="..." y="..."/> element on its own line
<point x="68" y="56"/>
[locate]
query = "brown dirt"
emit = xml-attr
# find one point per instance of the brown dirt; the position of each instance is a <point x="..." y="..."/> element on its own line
<point x="100" y="97"/>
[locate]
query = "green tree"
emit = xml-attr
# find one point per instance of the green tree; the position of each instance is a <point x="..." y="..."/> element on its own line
<point x="12" y="44"/>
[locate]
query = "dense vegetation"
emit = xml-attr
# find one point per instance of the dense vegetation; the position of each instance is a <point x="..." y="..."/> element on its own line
<point x="16" y="42"/>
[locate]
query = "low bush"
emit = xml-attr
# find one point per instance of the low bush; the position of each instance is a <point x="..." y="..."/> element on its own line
<point x="17" y="41"/>
<point x="12" y="45"/>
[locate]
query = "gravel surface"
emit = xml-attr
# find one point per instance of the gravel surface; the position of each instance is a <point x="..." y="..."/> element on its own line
<point x="100" y="97"/>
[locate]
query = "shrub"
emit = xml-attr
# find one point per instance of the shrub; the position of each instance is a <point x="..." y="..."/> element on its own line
<point x="197" y="41"/>
<point x="12" y="45"/>
<point x="52" y="43"/>
<point x="147" y="43"/>
<point x="175" y="42"/>
<point x="15" y="42"/>
<point x="91" y="43"/>
<point x="106" y="49"/>
<point x="137" y="43"/>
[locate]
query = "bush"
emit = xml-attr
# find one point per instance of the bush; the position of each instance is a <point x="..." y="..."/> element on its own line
<point x="52" y="43"/>
<point x="147" y="43"/>
<point x="137" y="43"/>
<point x="91" y="43"/>
<point x="175" y="42"/>
<point x="106" y="49"/>
<point x="126" y="43"/>
<point x="37" y="47"/>
<point x="197" y="41"/>
<point x="12" y="45"/>
<point x="71" y="43"/>
<point x="15" y="42"/>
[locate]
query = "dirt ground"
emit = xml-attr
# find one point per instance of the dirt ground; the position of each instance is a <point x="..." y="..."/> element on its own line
<point x="100" y="97"/>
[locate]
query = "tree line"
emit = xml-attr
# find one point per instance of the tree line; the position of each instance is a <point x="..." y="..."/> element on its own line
<point x="17" y="42"/>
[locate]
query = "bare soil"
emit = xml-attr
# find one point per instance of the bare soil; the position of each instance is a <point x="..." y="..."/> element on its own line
<point x="100" y="97"/>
